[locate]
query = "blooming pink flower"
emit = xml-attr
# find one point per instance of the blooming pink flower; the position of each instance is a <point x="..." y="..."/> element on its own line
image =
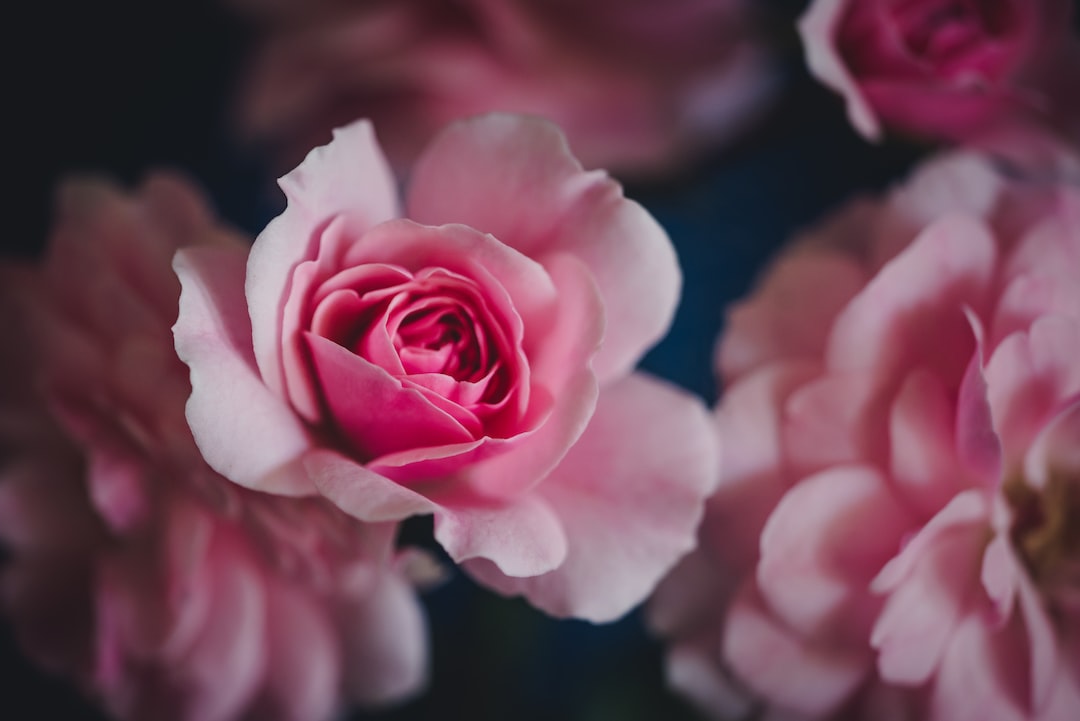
<point x="942" y="68"/>
<point x="894" y="533"/>
<point x="472" y="362"/>
<point x="638" y="86"/>
<point x="167" y="591"/>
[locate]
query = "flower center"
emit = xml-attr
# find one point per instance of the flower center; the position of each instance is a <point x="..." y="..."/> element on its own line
<point x="951" y="32"/>
<point x="1046" y="528"/>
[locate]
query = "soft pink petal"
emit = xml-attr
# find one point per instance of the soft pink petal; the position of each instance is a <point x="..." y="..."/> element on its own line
<point x="350" y="178"/>
<point x="385" y="642"/>
<point x="922" y="443"/>
<point x="304" y="663"/>
<point x="979" y="675"/>
<point x="912" y="311"/>
<point x="792" y="673"/>
<point x="630" y="494"/>
<point x="834" y="419"/>
<point x="696" y="673"/>
<point x="977" y="442"/>
<point x="511" y="539"/>
<point x="749" y="423"/>
<point x="477" y="172"/>
<point x="818" y="28"/>
<point x="829" y="535"/>
<point x="1028" y="376"/>
<point x="919" y="616"/>
<point x="789" y="316"/>
<point x="562" y="363"/>
<point x="227" y="662"/>
<point x="360" y="492"/>
<point x="244" y="431"/>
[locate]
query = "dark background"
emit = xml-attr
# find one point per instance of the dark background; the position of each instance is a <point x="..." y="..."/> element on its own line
<point x="119" y="87"/>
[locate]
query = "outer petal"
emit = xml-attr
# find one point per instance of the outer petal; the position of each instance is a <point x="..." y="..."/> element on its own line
<point x="630" y="494"/>
<point x="360" y="492"/>
<point x="911" y="312"/>
<point x="349" y="177"/>
<point x="818" y="28"/>
<point x="826" y="539"/>
<point x="304" y="661"/>
<point x="791" y="673"/>
<point x="385" y="643"/>
<point x="244" y="431"/>
<point x="519" y="538"/>
<point x="479" y="172"/>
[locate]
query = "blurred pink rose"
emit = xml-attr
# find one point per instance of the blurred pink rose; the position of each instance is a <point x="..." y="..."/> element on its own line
<point x="472" y="362"/>
<point x="943" y="68"/>
<point x="895" y="531"/>
<point x="637" y="86"/>
<point x="167" y="591"/>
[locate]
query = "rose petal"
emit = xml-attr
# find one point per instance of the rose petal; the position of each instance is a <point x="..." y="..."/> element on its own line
<point x="792" y="673"/>
<point x="360" y="492"/>
<point x="348" y="178"/>
<point x="828" y="536"/>
<point x="386" y="643"/>
<point x="475" y="172"/>
<point x="258" y="448"/>
<point x="646" y="461"/>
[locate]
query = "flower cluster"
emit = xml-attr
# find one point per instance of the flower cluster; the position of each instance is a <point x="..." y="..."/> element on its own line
<point x="212" y="442"/>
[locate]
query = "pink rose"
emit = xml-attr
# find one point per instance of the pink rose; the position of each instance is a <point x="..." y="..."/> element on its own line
<point x="942" y="68"/>
<point x="893" y="535"/>
<point x="165" y="590"/>
<point x="472" y="362"/>
<point x="638" y="87"/>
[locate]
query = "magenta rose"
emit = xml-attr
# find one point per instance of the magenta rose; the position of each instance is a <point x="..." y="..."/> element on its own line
<point x="166" y="591"/>
<point x="473" y="361"/>
<point x="894" y="532"/>
<point x="942" y="68"/>
<point x="637" y="87"/>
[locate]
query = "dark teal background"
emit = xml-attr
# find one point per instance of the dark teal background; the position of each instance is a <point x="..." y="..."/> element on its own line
<point x="120" y="87"/>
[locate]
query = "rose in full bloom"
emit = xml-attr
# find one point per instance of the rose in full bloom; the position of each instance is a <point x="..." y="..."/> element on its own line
<point x="166" y="591"/>
<point x="895" y="530"/>
<point x="943" y="68"/>
<point x="472" y="360"/>
<point x="637" y="86"/>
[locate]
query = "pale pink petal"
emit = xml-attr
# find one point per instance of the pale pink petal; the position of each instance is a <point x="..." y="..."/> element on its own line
<point x="912" y="311"/>
<point x="749" y="423"/>
<point x="304" y="663"/>
<point x="696" y="673"/>
<point x="793" y="674"/>
<point x="834" y="419"/>
<point x="475" y="172"/>
<point x="829" y="535"/>
<point x="977" y="442"/>
<point x="385" y="640"/>
<point x="350" y="178"/>
<point x="629" y="494"/>
<point x="818" y="28"/>
<point x="979" y="674"/>
<point x="968" y="508"/>
<point x="922" y="443"/>
<point x="919" y="616"/>
<point x="1056" y="450"/>
<point x="360" y="492"/>
<point x="227" y="662"/>
<point x="510" y="539"/>
<point x="244" y="431"/>
<point x="789" y="316"/>
<point x="563" y="363"/>
<point x="1028" y="376"/>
